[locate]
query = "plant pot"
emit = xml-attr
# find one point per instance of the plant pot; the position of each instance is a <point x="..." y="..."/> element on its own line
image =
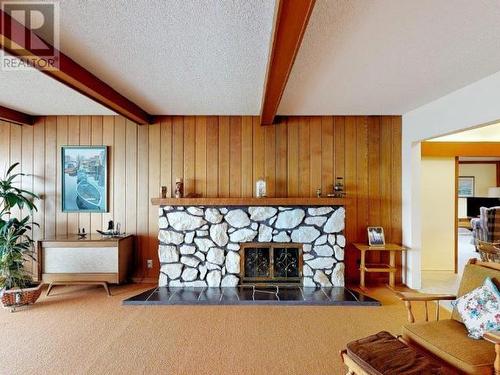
<point x="19" y="297"/>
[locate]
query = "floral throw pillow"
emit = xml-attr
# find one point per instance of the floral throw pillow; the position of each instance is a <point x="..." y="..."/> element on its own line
<point x="480" y="309"/>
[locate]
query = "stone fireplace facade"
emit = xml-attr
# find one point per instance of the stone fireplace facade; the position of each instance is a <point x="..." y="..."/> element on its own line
<point x="200" y="246"/>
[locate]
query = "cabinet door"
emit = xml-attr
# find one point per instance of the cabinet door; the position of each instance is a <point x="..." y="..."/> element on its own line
<point x="80" y="260"/>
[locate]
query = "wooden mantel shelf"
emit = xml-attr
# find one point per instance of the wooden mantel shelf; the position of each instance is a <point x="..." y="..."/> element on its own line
<point x="250" y="201"/>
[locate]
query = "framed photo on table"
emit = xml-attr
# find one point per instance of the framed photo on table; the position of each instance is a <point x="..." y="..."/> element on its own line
<point x="376" y="236"/>
<point x="84" y="178"/>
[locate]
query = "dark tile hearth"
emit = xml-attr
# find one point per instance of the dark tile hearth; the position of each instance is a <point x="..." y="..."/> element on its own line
<point x="252" y="295"/>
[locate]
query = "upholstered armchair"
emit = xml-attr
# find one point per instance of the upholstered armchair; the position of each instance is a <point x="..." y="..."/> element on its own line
<point x="486" y="227"/>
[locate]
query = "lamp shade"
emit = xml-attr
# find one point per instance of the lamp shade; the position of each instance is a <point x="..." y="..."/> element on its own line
<point x="494" y="192"/>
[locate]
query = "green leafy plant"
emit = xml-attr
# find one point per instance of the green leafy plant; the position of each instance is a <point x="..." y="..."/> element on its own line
<point x="16" y="244"/>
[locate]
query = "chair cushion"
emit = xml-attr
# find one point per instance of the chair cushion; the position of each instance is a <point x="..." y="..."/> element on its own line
<point x="473" y="277"/>
<point x="448" y="340"/>
<point x="480" y="309"/>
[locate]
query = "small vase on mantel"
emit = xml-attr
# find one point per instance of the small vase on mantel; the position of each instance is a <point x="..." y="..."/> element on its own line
<point x="179" y="188"/>
<point x="260" y="188"/>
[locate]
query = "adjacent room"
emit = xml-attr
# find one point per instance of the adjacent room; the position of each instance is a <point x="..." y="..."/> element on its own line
<point x="249" y="187"/>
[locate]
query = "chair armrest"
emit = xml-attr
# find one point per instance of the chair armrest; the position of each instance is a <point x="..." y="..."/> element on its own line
<point x="492" y="336"/>
<point x="413" y="296"/>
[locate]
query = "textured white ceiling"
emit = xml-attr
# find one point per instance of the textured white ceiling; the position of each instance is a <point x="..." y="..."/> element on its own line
<point x="391" y="56"/>
<point x="35" y="93"/>
<point x="490" y="133"/>
<point x="174" y="56"/>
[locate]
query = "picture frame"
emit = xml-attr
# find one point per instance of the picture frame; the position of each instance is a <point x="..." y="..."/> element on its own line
<point x="466" y="186"/>
<point x="376" y="236"/>
<point x="84" y="179"/>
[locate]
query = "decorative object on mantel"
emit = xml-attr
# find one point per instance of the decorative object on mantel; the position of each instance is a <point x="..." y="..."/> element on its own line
<point x="376" y="236"/>
<point x="164" y="191"/>
<point x="250" y="201"/>
<point x="338" y="188"/>
<point x="179" y="187"/>
<point x="81" y="233"/>
<point x="111" y="232"/>
<point x="318" y="192"/>
<point x="16" y="245"/>
<point x="85" y="178"/>
<point x="260" y="188"/>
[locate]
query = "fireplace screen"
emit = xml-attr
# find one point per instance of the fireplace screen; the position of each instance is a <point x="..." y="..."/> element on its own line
<point x="271" y="263"/>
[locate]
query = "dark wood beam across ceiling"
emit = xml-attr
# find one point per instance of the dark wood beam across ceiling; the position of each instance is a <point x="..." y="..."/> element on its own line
<point x="17" y="117"/>
<point x="452" y="149"/>
<point x="13" y="39"/>
<point x="291" y="23"/>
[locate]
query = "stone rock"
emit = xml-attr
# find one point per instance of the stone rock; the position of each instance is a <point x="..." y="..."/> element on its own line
<point x="213" y="279"/>
<point x="216" y="256"/>
<point x="211" y="266"/>
<point x="231" y="230"/>
<point x="265" y="233"/>
<point x="243" y="235"/>
<point x="172" y="270"/>
<point x="163" y="280"/>
<point x="328" y="272"/>
<point x="273" y="220"/>
<point x="341" y="240"/>
<point x="233" y="262"/>
<point x="201" y="233"/>
<point x="205" y="227"/>
<point x="187" y="250"/>
<point x="336" y="222"/>
<point x="320" y="263"/>
<point x="168" y="236"/>
<point x="168" y="254"/>
<point x="275" y="231"/>
<point x="305" y="234"/>
<point x="189" y="237"/>
<point x="203" y="271"/>
<point x="218" y="233"/>
<point x="307" y="270"/>
<point x="230" y="281"/>
<point x="167" y="208"/>
<point x="190" y="261"/>
<point x="233" y="246"/>
<point x="182" y="221"/>
<point x="254" y="226"/>
<point x="318" y="211"/>
<point x="176" y="283"/>
<point x="284" y="208"/>
<point x="331" y="239"/>
<point x="306" y="248"/>
<point x="323" y="251"/>
<point x="212" y="215"/>
<point x="195" y="211"/>
<point x="163" y="223"/>
<point x="204" y="244"/>
<point x="322" y="279"/>
<point x="223" y="210"/>
<point x="261" y="213"/>
<point x="339" y="252"/>
<point x="308" y="282"/>
<point x="200" y="256"/>
<point x="321" y="240"/>
<point x="290" y="219"/>
<point x="307" y="256"/>
<point x="316" y="220"/>
<point x="180" y="208"/>
<point x="189" y="274"/>
<point x="161" y="212"/>
<point x="281" y="237"/>
<point x="223" y="271"/>
<point x="338" y="275"/>
<point x="237" y="218"/>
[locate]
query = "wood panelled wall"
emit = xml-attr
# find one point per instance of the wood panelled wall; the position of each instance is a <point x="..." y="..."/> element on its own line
<point x="216" y="156"/>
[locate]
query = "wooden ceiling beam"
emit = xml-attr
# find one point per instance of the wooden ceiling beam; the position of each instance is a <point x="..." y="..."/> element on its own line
<point x="11" y="115"/>
<point x="452" y="149"/>
<point x="13" y="37"/>
<point x="290" y="26"/>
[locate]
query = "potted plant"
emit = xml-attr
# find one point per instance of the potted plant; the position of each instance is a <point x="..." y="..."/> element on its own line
<point x="16" y="245"/>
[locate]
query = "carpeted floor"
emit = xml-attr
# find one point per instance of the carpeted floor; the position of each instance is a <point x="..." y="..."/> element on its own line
<point x="79" y="330"/>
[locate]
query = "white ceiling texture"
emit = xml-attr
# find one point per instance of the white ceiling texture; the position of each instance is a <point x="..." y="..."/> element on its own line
<point x="185" y="57"/>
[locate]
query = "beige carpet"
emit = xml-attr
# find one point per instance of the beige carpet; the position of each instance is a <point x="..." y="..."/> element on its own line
<point x="80" y="330"/>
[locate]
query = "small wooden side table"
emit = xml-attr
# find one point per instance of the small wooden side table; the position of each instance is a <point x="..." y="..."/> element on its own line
<point x="390" y="268"/>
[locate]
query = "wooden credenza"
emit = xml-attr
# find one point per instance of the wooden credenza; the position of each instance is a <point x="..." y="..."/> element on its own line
<point x="66" y="260"/>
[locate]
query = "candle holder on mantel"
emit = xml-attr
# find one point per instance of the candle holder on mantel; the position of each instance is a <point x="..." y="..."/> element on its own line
<point x="338" y="188"/>
<point x="260" y="188"/>
<point x="179" y="188"/>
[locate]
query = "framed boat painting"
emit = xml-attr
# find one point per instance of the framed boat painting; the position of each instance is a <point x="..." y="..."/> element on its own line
<point x="84" y="178"/>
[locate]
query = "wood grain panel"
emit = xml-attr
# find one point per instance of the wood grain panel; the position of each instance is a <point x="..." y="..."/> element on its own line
<point x="219" y="156"/>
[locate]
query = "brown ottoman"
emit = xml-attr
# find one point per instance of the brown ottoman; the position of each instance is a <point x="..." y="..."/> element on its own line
<point x="384" y="354"/>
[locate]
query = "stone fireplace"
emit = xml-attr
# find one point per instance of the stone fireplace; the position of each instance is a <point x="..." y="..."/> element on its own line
<point x="203" y="246"/>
